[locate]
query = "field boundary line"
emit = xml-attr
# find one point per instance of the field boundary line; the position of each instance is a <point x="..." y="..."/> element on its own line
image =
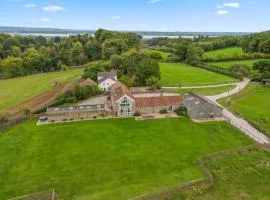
<point x="206" y="182"/>
<point x="51" y="195"/>
<point x="200" y="86"/>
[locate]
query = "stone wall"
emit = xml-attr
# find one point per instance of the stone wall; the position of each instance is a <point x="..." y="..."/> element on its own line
<point x="156" y="109"/>
<point x="76" y="115"/>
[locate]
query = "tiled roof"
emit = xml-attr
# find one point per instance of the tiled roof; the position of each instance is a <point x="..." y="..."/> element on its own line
<point x="104" y="79"/>
<point x="75" y="109"/>
<point x="118" y="90"/>
<point x="88" y="82"/>
<point x="202" y="99"/>
<point x="158" y="101"/>
<point x="107" y="74"/>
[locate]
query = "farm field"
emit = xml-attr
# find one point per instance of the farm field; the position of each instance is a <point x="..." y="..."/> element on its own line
<point x="108" y="159"/>
<point x="228" y="64"/>
<point x="223" y="53"/>
<point x="180" y="74"/>
<point x="205" y="91"/>
<point x="18" y="90"/>
<point x="165" y="55"/>
<point x="253" y="104"/>
<point x="240" y="177"/>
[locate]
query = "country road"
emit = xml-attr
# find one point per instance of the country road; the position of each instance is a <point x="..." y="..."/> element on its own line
<point x="236" y="121"/>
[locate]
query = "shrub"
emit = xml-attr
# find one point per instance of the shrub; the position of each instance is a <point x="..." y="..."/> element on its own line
<point x="3" y="119"/>
<point x="182" y="111"/>
<point x="152" y="82"/>
<point x="64" y="68"/>
<point x="163" y="111"/>
<point x="126" y="80"/>
<point x="137" y="114"/>
<point x="26" y="111"/>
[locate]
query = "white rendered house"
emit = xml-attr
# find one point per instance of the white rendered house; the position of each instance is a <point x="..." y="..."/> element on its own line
<point x="106" y="80"/>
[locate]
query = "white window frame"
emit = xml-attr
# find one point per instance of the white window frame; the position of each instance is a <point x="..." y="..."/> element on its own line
<point x="125" y="107"/>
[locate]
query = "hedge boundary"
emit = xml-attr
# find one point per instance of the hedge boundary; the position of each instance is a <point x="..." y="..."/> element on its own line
<point x="18" y="120"/>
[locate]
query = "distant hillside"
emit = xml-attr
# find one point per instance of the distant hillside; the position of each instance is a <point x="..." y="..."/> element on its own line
<point x="25" y="30"/>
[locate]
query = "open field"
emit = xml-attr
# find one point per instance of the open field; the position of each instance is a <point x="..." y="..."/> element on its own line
<point x="223" y="53"/>
<point x="108" y="159"/>
<point x="228" y="64"/>
<point x="16" y="91"/>
<point x="252" y="104"/>
<point x="180" y="74"/>
<point x="165" y="55"/>
<point x="204" y="91"/>
<point x="240" y="177"/>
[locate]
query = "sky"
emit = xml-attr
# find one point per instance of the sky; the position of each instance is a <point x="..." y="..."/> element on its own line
<point x="139" y="15"/>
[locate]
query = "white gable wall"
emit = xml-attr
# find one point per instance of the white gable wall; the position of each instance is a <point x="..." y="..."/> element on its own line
<point x="105" y="85"/>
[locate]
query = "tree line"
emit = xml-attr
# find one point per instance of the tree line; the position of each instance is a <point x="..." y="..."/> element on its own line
<point x="256" y="43"/>
<point x="134" y="68"/>
<point x="20" y="56"/>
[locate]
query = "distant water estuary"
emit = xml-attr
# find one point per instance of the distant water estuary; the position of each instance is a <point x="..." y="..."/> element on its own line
<point x="68" y="34"/>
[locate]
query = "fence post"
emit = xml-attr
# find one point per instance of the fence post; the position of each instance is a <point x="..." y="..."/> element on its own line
<point x="53" y="194"/>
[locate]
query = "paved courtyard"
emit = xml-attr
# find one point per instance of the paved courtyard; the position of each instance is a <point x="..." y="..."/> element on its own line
<point x="94" y="100"/>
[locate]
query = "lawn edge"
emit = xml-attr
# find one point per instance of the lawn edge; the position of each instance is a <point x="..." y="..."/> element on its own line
<point x="207" y="181"/>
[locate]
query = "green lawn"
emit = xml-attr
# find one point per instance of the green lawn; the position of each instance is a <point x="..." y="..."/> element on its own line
<point x="179" y="74"/>
<point x="223" y="53"/>
<point x="228" y="64"/>
<point x="18" y="90"/>
<point x="108" y="159"/>
<point x="241" y="177"/>
<point x="165" y="55"/>
<point x="205" y="91"/>
<point x="253" y="104"/>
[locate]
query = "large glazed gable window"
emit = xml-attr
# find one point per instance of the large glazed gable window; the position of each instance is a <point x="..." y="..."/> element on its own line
<point x="125" y="107"/>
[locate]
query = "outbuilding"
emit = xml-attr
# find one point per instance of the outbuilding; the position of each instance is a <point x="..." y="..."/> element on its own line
<point x="201" y="108"/>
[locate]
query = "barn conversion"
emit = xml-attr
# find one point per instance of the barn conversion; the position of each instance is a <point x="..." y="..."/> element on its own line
<point x="76" y="112"/>
<point x="121" y="102"/>
<point x="199" y="107"/>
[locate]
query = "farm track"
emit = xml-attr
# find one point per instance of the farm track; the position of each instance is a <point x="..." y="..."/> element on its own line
<point x="239" y="122"/>
<point x="43" y="100"/>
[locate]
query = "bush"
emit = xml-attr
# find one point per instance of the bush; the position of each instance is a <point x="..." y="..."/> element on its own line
<point x="26" y="111"/>
<point x="3" y="119"/>
<point x="125" y="80"/>
<point x="79" y="93"/>
<point x="137" y="114"/>
<point x="64" y="68"/>
<point x="182" y="111"/>
<point x="163" y="111"/>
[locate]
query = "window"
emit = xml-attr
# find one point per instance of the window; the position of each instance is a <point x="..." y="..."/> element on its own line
<point x="125" y="107"/>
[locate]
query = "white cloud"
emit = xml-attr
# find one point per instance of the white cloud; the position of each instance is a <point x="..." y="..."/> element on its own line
<point x="29" y="5"/>
<point x="153" y="1"/>
<point x="231" y="4"/>
<point x="222" y="12"/>
<point x="116" y="17"/>
<point x="45" y="19"/>
<point x="52" y="8"/>
<point x="219" y="7"/>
